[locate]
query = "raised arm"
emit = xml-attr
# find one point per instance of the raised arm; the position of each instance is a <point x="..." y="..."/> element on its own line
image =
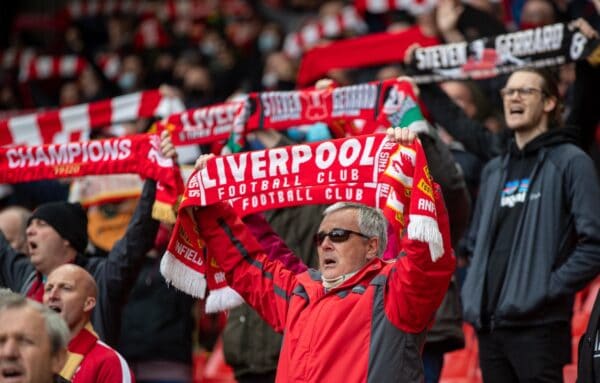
<point x="472" y="134"/>
<point x="117" y="273"/>
<point x="265" y="284"/>
<point x="417" y="285"/>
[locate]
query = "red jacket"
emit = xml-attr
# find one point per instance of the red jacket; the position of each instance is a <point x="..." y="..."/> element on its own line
<point x="369" y="329"/>
<point x="91" y="360"/>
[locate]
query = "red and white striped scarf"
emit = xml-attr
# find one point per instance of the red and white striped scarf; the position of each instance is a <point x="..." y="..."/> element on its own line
<point x="364" y="169"/>
<point x="330" y="26"/>
<point x="74" y="123"/>
<point x="164" y="10"/>
<point x="13" y="57"/>
<point x="47" y="67"/>
<point x="414" y="7"/>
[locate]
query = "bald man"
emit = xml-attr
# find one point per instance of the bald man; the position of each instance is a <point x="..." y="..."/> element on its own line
<point x="13" y="223"/>
<point x="71" y="291"/>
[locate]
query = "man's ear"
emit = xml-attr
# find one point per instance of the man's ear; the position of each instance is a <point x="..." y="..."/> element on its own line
<point x="550" y="103"/>
<point x="89" y="304"/>
<point x="372" y="247"/>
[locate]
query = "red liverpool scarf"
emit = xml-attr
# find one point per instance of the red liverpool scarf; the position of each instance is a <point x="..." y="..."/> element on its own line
<point x="138" y="154"/>
<point x="365" y="169"/>
<point x="377" y="105"/>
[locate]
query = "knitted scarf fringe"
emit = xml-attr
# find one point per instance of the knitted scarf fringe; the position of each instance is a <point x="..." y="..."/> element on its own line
<point x="425" y="229"/>
<point x="182" y="277"/>
<point x="222" y="299"/>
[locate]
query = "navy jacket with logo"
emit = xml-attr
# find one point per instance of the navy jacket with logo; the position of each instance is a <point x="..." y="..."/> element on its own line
<point x="556" y="247"/>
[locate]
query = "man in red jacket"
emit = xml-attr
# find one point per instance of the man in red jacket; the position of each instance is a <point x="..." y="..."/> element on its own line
<point x="356" y="319"/>
<point x="71" y="291"/>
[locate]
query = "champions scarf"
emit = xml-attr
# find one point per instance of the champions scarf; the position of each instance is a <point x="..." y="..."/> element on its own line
<point x="139" y="154"/>
<point x="377" y="105"/>
<point x="74" y="123"/>
<point x="78" y="348"/>
<point x="359" y="52"/>
<point x="330" y="26"/>
<point x="364" y="169"/>
<point x="486" y="57"/>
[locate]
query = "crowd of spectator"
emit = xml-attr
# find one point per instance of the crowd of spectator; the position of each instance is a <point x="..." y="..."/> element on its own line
<point x="208" y="52"/>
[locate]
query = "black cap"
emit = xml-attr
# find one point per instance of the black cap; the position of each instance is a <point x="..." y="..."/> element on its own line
<point x="68" y="219"/>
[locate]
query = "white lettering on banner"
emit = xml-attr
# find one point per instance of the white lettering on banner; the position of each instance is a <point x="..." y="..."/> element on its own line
<point x="331" y="177"/>
<point x="278" y="197"/>
<point x="286" y="164"/>
<point x="441" y="56"/>
<point x="343" y="194"/>
<point x="204" y="122"/>
<point x="349" y="100"/>
<point x="325" y="155"/>
<point x="530" y="41"/>
<point x="188" y="253"/>
<point x="259" y="163"/>
<point x="300" y="155"/>
<point x="426" y="205"/>
<point x="281" y="106"/>
<point x="252" y="187"/>
<point x="277" y="159"/>
<point x="74" y="152"/>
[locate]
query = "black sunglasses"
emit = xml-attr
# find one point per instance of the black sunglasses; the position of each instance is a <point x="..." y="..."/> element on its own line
<point x="336" y="236"/>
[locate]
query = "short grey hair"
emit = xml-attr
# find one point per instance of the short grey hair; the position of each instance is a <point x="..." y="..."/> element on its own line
<point x="57" y="329"/>
<point x="371" y="221"/>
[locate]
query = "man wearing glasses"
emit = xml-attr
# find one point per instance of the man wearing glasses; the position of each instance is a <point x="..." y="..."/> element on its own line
<point x="356" y="319"/>
<point x="534" y="239"/>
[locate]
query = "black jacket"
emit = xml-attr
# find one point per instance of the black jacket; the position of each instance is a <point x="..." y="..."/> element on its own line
<point x="585" y="361"/>
<point x="556" y="247"/>
<point x="114" y="274"/>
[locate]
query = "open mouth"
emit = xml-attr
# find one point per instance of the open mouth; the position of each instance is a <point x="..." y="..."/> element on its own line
<point x="517" y="110"/>
<point x="10" y="374"/>
<point x="55" y="307"/>
<point x="329" y="262"/>
<point x="32" y="245"/>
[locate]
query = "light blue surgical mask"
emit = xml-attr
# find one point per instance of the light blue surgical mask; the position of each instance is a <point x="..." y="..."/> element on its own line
<point x="318" y="132"/>
<point x="267" y="42"/>
<point x="127" y="81"/>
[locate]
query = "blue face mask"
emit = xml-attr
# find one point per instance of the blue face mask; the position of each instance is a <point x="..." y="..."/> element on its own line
<point x="318" y="132"/>
<point x="267" y="42"/>
<point x="127" y="81"/>
<point x="310" y="133"/>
